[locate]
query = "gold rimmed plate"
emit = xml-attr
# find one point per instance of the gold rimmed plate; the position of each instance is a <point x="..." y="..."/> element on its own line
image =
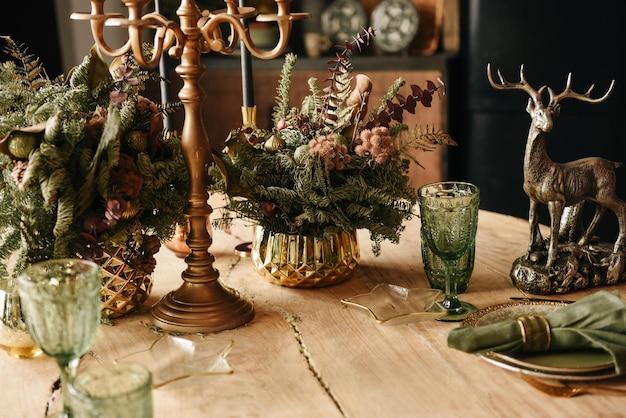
<point x="391" y="304"/>
<point x="574" y="365"/>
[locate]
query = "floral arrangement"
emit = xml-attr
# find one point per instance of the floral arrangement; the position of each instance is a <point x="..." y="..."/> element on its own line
<point x="85" y="163"/>
<point x="330" y="165"/>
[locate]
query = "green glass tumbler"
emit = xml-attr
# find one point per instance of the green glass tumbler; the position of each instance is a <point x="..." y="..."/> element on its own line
<point x="117" y="390"/>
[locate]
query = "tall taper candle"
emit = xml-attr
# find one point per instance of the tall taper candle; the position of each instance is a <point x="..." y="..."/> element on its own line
<point x="246" y="70"/>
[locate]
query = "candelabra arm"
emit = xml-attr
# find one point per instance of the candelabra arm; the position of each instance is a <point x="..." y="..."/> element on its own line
<point x="167" y="36"/>
<point x="98" y="20"/>
<point x="233" y="16"/>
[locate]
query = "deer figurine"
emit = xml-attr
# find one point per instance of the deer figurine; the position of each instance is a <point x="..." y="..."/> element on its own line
<point x="562" y="186"/>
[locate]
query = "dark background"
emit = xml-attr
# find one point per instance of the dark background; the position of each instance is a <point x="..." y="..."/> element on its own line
<point x="551" y="39"/>
<point x="33" y="23"/>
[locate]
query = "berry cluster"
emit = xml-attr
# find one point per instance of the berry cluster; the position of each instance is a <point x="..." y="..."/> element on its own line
<point x="376" y="142"/>
<point x="333" y="154"/>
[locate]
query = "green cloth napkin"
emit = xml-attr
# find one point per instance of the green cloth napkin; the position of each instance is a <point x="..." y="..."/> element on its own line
<point x="595" y="321"/>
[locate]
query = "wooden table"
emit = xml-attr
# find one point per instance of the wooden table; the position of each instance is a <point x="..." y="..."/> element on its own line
<point x="306" y="355"/>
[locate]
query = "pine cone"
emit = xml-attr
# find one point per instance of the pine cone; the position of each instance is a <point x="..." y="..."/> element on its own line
<point x="136" y="141"/>
<point x="300" y="120"/>
<point x="126" y="177"/>
<point x="18" y="171"/>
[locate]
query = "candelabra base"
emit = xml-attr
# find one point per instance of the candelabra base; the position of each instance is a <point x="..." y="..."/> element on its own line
<point x="201" y="308"/>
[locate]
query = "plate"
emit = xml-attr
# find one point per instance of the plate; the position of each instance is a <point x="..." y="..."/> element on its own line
<point x="501" y="362"/>
<point x="573" y="365"/>
<point x="342" y="20"/>
<point x="391" y="304"/>
<point x="585" y="361"/>
<point x="396" y="22"/>
<point x="172" y="358"/>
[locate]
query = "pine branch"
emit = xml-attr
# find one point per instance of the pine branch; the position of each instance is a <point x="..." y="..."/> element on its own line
<point x="281" y="109"/>
<point x="314" y="102"/>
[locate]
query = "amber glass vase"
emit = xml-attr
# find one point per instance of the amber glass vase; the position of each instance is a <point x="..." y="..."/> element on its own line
<point x="14" y="337"/>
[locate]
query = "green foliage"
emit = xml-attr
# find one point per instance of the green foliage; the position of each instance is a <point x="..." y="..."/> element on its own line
<point x="85" y="162"/>
<point x="281" y="109"/>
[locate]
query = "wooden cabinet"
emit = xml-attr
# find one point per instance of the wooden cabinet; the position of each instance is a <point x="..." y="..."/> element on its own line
<point x="222" y="86"/>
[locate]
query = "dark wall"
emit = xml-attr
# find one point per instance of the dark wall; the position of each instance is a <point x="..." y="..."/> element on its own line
<point x="551" y="39"/>
<point x="34" y="25"/>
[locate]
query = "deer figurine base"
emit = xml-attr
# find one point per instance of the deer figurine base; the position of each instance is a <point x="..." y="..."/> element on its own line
<point x="575" y="268"/>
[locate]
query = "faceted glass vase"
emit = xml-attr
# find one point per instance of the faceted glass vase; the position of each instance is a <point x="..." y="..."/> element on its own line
<point x="293" y="260"/>
<point x="124" y="286"/>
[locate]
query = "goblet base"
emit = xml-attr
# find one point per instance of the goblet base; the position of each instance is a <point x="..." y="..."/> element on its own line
<point x="59" y="414"/>
<point x="466" y="309"/>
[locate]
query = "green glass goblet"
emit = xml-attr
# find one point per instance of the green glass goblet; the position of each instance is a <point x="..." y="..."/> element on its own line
<point x="435" y="269"/>
<point x="61" y="302"/>
<point x="449" y="219"/>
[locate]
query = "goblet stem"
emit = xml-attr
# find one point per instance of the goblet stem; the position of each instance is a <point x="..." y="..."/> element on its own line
<point x="451" y="298"/>
<point x="457" y="310"/>
<point x="68" y="372"/>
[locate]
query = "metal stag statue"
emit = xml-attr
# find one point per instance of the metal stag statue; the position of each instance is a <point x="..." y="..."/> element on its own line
<point x="574" y="258"/>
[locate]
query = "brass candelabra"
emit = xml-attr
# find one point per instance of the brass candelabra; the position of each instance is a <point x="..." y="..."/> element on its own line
<point x="201" y="303"/>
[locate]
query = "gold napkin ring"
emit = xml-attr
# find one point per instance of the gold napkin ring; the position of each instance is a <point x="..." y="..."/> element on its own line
<point x="535" y="333"/>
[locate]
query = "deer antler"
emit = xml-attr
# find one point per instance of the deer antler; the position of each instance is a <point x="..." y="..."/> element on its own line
<point x="522" y="85"/>
<point x="569" y="94"/>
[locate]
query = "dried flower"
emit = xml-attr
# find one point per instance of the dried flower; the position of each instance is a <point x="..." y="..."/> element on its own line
<point x="151" y="244"/>
<point x="93" y="127"/>
<point x="115" y="208"/>
<point x="18" y="171"/>
<point x="376" y="142"/>
<point x="124" y="78"/>
<point x="334" y="155"/>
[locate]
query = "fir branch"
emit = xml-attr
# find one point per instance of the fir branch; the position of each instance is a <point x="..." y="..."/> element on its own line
<point x="314" y="102"/>
<point x="393" y="89"/>
<point x="281" y="109"/>
<point x="130" y="118"/>
<point x="426" y="140"/>
<point x="171" y="107"/>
